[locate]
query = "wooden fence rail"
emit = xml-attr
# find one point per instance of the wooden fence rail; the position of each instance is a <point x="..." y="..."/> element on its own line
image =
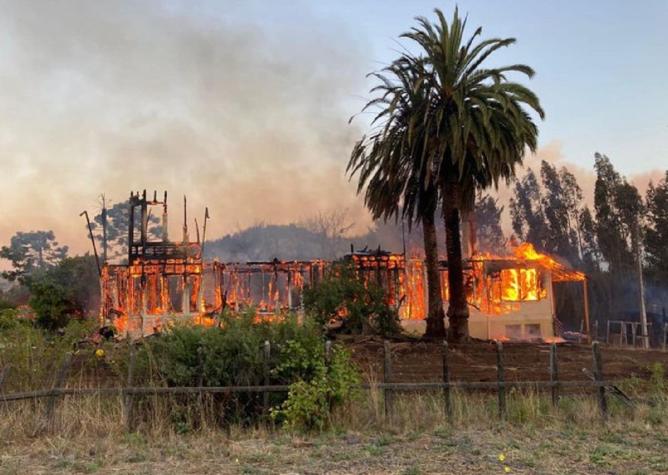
<point x="388" y="387"/>
<point x="282" y="388"/>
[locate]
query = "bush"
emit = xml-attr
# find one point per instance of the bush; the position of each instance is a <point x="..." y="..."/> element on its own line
<point x="361" y="307"/>
<point x="225" y="356"/>
<point x="32" y="353"/>
<point x="9" y="320"/>
<point x="232" y="355"/>
<point x="320" y="387"/>
<point x="64" y="291"/>
<point x="5" y="304"/>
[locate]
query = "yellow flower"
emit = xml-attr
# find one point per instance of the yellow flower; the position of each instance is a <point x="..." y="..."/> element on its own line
<point x="506" y="469"/>
<point x="502" y="457"/>
<point x="99" y="353"/>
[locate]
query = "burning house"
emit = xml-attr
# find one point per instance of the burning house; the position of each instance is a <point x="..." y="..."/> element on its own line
<point x="510" y="297"/>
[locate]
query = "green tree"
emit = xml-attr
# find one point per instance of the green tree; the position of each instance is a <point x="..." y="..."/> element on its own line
<point x="526" y="211"/>
<point x="69" y="289"/>
<point x="656" y="232"/>
<point x="115" y="243"/>
<point x="489" y="234"/>
<point x="474" y="130"/>
<point x="30" y="252"/>
<point x="617" y="205"/>
<point x="588" y="244"/>
<point x="392" y="173"/>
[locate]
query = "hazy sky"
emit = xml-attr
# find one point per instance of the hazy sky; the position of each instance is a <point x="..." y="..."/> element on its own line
<point x="244" y="105"/>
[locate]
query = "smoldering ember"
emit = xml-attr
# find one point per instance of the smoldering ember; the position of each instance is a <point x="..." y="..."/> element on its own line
<point x="333" y="237"/>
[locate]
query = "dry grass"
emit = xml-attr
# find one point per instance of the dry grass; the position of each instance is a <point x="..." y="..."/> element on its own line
<point x="88" y="437"/>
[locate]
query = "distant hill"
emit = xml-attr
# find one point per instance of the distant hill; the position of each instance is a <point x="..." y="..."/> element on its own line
<point x="296" y="242"/>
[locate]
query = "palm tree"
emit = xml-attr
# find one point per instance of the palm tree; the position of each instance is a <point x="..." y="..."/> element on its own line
<point x="390" y="169"/>
<point x="479" y="130"/>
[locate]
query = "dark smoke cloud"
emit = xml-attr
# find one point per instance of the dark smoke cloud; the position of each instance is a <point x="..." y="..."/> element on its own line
<point x="118" y="96"/>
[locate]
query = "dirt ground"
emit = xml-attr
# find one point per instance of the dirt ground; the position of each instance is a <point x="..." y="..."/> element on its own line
<point x="421" y="361"/>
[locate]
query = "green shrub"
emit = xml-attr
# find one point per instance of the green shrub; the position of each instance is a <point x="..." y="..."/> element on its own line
<point x="320" y="387"/>
<point x="5" y="304"/>
<point x="32" y="353"/>
<point x="232" y="355"/>
<point x="64" y="291"/>
<point x="9" y="320"/>
<point x="658" y="379"/>
<point x="225" y="356"/>
<point x="361" y="307"/>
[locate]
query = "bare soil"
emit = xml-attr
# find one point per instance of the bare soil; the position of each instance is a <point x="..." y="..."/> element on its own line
<point x="419" y="361"/>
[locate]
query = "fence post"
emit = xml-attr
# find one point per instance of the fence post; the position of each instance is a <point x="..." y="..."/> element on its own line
<point x="500" y="380"/>
<point x="447" y="396"/>
<point x="665" y="336"/>
<point x="265" y="371"/>
<point x="607" y="332"/>
<point x="554" y="375"/>
<point x="328" y="353"/>
<point x="598" y="378"/>
<point x="625" y="336"/>
<point x="595" y="329"/>
<point x="128" y="398"/>
<point x="387" y="378"/>
<point x="61" y="375"/>
<point x="200" y="380"/>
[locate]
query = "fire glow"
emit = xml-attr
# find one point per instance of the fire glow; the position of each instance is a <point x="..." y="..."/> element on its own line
<point x="168" y="281"/>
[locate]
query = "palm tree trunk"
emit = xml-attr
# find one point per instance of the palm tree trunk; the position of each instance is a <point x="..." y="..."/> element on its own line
<point x="458" y="311"/>
<point x="435" y="314"/>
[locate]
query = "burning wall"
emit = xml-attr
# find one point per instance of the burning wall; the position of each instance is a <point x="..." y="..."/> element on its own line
<point x="509" y="296"/>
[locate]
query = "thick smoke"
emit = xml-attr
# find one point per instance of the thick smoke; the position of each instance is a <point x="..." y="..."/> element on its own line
<point x="116" y="96"/>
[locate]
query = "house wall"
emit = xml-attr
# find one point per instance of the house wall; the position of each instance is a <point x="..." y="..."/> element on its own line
<point x="526" y="320"/>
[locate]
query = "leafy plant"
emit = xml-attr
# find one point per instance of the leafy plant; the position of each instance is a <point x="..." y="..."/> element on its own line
<point x="64" y="291"/>
<point x="320" y="387"/>
<point x="343" y="297"/>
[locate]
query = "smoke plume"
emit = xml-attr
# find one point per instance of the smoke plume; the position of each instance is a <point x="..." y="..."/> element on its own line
<point x="248" y="119"/>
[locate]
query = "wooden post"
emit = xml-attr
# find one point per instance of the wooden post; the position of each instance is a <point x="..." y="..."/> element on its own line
<point x="200" y="380"/>
<point x="598" y="377"/>
<point x="265" y="371"/>
<point x="328" y="364"/>
<point x="447" y="396"/>
<point x="128" y="399"/>
<point x="61" y="375"/>
<point x="587" y="329"/>
<point x="595" y="330"/>
<point x="387" y="378"/>
<point x="624" y="339"/>
<point x="607" y="332"/>
<point x="501" y="380"/>
<point x="554" y="375"/>
<point x="328" y="353"/>
<point x="665" y="336"/>
<point x="634" y="331"/>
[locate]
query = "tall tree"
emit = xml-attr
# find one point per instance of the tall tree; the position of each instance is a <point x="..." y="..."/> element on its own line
<point x="479" y="130"/>
<point x="117" y="225"/>
<point x="526" y="211"/>
<point x="391" y="172"/>
<point x="617" y="205"/>
<point x="588" y="244"/>
<point x="489" y="235"/>
<point x="30" y="252"/>
<point x="656" y="232"/>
